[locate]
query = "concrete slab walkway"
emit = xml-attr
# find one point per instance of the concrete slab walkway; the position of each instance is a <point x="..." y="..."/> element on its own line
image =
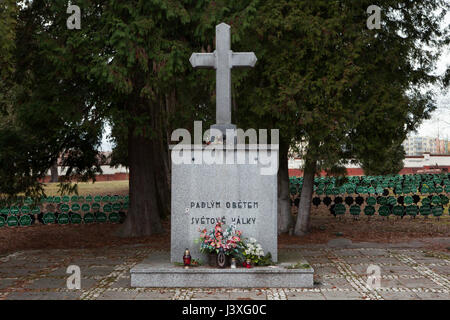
<point x="341" y="272"/>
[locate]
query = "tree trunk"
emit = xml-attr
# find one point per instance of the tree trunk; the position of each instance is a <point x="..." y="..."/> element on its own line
<point x="304" y="209"/>
<point x="285" y="220"/>
<point x="163" y="179"/>
<point x="54" y="172"/>
<point x="146" y="207"/>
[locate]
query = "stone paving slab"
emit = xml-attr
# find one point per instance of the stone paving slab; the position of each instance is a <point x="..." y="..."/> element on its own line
<point x="156" y="296"/>
<point x="336" y="295"/>
<point x="46" y="283"/>
<point x="6" y="283"/>
<point x="340" y="273"/>
<point x="117" y="296"/>
<point x="305" y="296"/>
<point x="253" y="295"/>
<point x="213" y="296"/>
<point x="418" y="283"/>
<point x="431" y="296"/>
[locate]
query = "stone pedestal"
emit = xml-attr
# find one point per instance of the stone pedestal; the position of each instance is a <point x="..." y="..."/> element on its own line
<point x="234" y="189"/>
<point x="157" y="272"/>
<point x="234" y="186"/>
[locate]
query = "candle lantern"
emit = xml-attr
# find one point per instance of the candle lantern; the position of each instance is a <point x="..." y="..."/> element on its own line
<point x="187" y="258"/>
<point x="233" y="263"/>
<point x="221" y="258"/>
<point x="248" y="263"/>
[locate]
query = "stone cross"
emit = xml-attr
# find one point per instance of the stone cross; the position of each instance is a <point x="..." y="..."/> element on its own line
<point x="223" y="59"/>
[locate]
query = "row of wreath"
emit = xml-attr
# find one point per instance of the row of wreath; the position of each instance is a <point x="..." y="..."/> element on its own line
<point x="384" y="211"/>
<point x="75" y="207"/>
<point x="88" y="198"/>
<point x="73" y="199"/>
<point x="60" y="218"/>
<point x="374" y="191"/>
<point x="411" y="176"/>
<point x="374" y="184"/>
<point x="376" y="180"/>
<point x="391" y="200"/>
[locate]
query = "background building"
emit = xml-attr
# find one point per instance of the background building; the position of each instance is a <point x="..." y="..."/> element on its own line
<point x="416" y="146"/>
<point x="425" y="163"/>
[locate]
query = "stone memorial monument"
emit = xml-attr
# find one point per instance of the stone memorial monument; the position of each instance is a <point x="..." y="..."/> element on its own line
<point x="233" y="184"/>
<point x="236" y="193"/>
<point x="223" y="60"/>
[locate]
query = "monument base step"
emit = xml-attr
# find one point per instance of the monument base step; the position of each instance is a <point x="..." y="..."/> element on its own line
<point x="154" y="273"/>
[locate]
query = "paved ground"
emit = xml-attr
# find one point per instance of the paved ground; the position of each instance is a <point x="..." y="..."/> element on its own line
<point x="341" y="273"/>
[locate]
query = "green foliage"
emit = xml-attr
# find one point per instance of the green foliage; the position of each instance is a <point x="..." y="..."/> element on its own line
<point x="322" y="78"/>
<point x="129" y="65"/>
<point x="53" y="112"/>
<point x="262" y="261"/>
<point x="265" y="261"/>
<point x="389" y="162"/>
<point x="15" y="168"/>
<point x="344" y="91"/>
<point x="8" y="22"/>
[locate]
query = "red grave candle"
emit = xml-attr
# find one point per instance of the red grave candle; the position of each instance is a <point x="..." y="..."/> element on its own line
<point x="187" y="258"/>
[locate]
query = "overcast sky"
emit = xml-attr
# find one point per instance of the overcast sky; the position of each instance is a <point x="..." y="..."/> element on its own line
<point x="439" y="124"/>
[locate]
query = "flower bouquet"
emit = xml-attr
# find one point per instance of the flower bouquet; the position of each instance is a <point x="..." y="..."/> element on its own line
<point x="222" y="239"/>
<point x="226" y="238"/>
<point x="229" y="241"/>
<point x="253" y="251"/>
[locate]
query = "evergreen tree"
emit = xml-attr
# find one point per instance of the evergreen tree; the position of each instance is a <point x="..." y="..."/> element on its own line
<point x="346" y="92"/>
<point x="323" y="78"/>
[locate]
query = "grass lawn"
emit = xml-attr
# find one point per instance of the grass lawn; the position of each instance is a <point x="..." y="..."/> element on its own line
<point x="97" y="188"/>
<point x="324" y="227"/>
